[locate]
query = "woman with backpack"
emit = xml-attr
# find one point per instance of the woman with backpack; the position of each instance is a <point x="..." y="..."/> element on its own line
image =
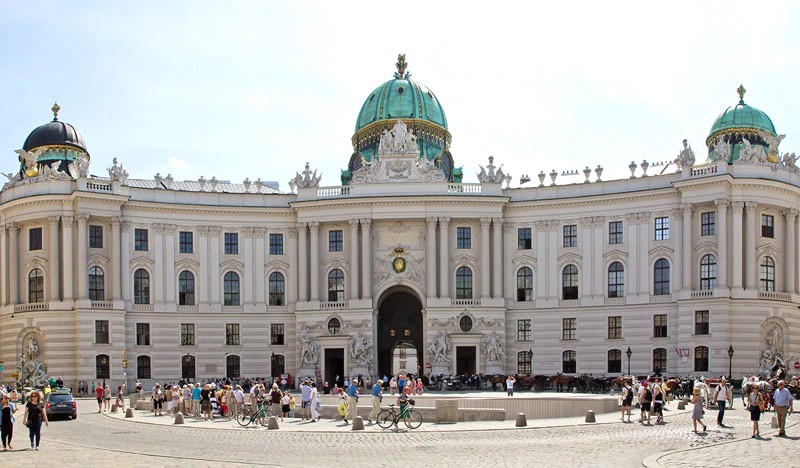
<point x="645" y="398"/>
<point x="627" y="400"/>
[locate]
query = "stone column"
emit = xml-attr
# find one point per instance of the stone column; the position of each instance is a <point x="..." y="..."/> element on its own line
<point x="4" y="264"/>
<point x="791" y="250"/>
<point x="686" y="246"/>
<point x="497" y="257"/>
<point x="160" y="261"/>
<point x="116" y="277"/>
<point x="83" y="240"/>
<point x="67" y="251"/>
<point x="366" y="257"/>
<point x="587" y="247"/>
<point x="259" y="277"/>
<point x="214" y="276"/>
<point x="203" y="293"/>
<point x="314" y="226"/>
<point x="13" y="263"/>
<point x="676" y="266"/>
<point x="634" y="251"/>
<point x="509" y="278"/>
<point x="485" y="273"/>
<point x="353" y="273"/>
<point x="292" y="287"/>
<point x="736" y="258"/>
<point x="553" y="227"/>
<point x="542" y="278"/>
<point x="302" y="262"/>
<point x="52" y="255"/>
<point x="722" y="242"/>
<point x="125" y="260"/>
<point x="750" y="261"/>
<point x="444" y="257"/>
<point x="247" y="257"/>
<point x="599" y="276"/>
<point x="430" y="257"/>
<point x="644" y="257"/>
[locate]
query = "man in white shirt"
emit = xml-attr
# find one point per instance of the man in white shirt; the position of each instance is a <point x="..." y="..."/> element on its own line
<point x="722" y="395"/>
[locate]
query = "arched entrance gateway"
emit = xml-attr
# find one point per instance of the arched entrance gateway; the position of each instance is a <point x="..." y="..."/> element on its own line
<point x="399" y="334"/>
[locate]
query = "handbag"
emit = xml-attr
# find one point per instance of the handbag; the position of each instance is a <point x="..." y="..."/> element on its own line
<point x="318" y="406"/>
<point x="761" y="404"/>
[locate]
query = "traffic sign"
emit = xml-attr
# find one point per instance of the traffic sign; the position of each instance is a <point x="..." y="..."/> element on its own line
<point x="796" y="365"/>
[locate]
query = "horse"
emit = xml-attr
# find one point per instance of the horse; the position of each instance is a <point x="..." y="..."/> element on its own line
<point x="559" y="380"/>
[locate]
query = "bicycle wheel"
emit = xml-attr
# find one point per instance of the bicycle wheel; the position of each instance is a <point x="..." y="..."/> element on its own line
<point x="413" y="419"/>
<point x="385" y="419"/>
<point x="244" y="417"/>
<point x="263" y="416"/>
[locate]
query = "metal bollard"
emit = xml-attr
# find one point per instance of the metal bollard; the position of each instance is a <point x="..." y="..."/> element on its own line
<point x="129" y="413"/>
<point x="681" y="405"/>
<point x="178" y="418"/>
<point x="521" y="421"/>
<point x="774" y="423"/>
<point x="358" y="424"/>
<point x="590" y="417"/>
<point x="272" y="423"/>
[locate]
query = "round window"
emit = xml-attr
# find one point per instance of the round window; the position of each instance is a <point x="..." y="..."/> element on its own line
<point x="465" y="323"/>
<point x="334" y="326"/>
<point x="400" y="90"/>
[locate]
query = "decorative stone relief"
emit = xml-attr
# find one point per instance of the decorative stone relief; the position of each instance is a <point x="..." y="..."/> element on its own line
<point x="360" y="348"/>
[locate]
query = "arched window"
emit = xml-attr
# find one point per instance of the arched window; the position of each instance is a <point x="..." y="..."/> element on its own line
<point x="524" y="362"/>
<point x="708" y="272"/>
<point x="186" y="288"/>
<point x="569" y="363"/>
<point x="336" y="285"/>
<point x="102" y="366"/>
<point x="278" y="366"/>
<point x="616" y="280"/>
<point x="141" y="286"/>
<point x="569" y="282"/>
<point x="231" y="291"/>
<point x="188" y="367"/>
<point x="334" y="326"/>
<point x="35" y="286"/>
<point x="233" y="367"/>
<point x="614" y="361"/>
<point x="767" y="274"/>
<point x="143" y="367"/>
<point x="659" y="360"/>
<point x="96" y="284"/>
<point x="277" y="289"/>
<point x="661" y="277"/>
<point x="524" y="284"/>
<point x="463" y="283"/>
<point x="701" y="359"/>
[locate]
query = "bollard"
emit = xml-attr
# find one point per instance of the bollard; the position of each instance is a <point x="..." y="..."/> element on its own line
<point x="129" y="413"/>
<point x="358" y="424"/>
<point x="521" y="421"/>
<point x="272" y="423"/>
<point x="590" y="417"/>
<point x="774" y="423"/>
<point x="681" y="405"/>
<point x="178" y="418"/>
<point x="574" y="389"/>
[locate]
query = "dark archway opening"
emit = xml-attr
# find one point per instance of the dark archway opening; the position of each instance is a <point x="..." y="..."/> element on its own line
<point x="400" y="333"/>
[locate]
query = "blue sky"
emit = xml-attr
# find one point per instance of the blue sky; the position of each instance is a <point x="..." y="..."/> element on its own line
<point x="256" y="89"/>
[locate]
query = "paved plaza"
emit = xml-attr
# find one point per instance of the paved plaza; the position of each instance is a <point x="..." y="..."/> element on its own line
<point x="145" y="440"/>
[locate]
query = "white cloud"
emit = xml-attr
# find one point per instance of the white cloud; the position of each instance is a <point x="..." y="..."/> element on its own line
<point x="178" y="164"/>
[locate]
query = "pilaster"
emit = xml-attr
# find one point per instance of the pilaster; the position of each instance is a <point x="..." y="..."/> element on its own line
<point x="116" y="277"/>
<point x="315" y="259"/>
<point x="83" y="240"/>
<point x="722" y="242"/>
<point x="485" y="272"/>
<point x="791" y="250"/>
<point x="444" y="257"/>
<point x="687" y="247"/>
<point x="13" y="262"/>
<point x="52" y="256"/>
<point x="430" y="257"/>
<point x="67" y="252"/>
<point x="302" y="261"/>
<point x="366" y="258"/>
<point x="736" y="258"/>
<point x="125" y="260"/>
<point x="353" y="273"/>
<point x="497" y="258"/>
<point x="750" y="261"/>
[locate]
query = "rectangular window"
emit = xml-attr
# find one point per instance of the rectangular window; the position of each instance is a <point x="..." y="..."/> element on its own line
<point x="101" y="332"/>
<point x="662" y="228"/>
<point x="708" y="223"/>
<point x="186" y="242"/>
<point x="524" y="330"/>
<point x="95" y="237"/>
<point x="140" y="240"/>
<point x="615" y="328"/>
<point x="571" y="235"/>
<point x="142" y="334"/>
<point x="231" y="243"/>
<point x="569" y="328"/>
<point x="524" y="239"/>
<point x="767" y="226"/>
<point x="276" y="244"/>
<point x="463" y="237"/>
<point x="35" y="239"/>
<point x="232" y="334"/>
<point x="276" y="334"/>
<point x="660" y="326"/>
<point x="187" y="334"/>
<point x="335" y="240"/>
<point x="701" y="322"/>
<point x="615" y="232"/>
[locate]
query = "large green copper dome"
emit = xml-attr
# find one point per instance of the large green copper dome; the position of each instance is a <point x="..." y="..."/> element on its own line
<point x="737" y="122"/>
<point x="401" y="98"/>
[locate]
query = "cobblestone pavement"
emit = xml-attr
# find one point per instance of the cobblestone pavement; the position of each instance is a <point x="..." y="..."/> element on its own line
<point x="94" y="440"/>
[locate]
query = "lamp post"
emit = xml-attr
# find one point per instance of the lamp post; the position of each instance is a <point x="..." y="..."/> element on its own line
<point x="628" y="353"/>
<point x="730" y="362"/>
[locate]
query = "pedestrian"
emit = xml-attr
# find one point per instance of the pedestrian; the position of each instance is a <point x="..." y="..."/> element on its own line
<point x="645" y="398"/>
<point x="275" y="398"/>
<point x="393" y="386"/>
<point x="658" y="403"/>
<point x="205" y="402"/>
<point x="756" y="403"/>
<point x="315" y="406"/>
<point x="722" y="395"/>
<point x="34" y="415"/>
<point x="326" y="389"/>
<point x="305" y="400"/>
<point x="239" y="395"/>
<point x="344" y="405"/>
<point x="697" y="410"/>
<point x="98" y="393"/>
<point x="783" y="403"/>
<point x="158" y="400"/>
<point x="510" y="385"/>
<point x="627" y="400"/>
<point x="292" y="404"/>
<point x="7" y="410"/>
<point x="186" y="400"/>
<point x="196" y="397"/>
<point x="120" y="402"/>
<point x="107" y="398"/>
<point x="377" y="397"/>
<point x="401" y="382"/>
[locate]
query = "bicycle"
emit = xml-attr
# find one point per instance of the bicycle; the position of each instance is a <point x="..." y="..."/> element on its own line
<point x="261" y="414"/>
<point x="410" y="417"/>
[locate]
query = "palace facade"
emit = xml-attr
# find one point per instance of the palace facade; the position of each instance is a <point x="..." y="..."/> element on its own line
<point x="402" y="267"/>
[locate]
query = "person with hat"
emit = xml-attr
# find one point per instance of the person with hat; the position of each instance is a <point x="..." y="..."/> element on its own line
<point x="377" y="396"/>
<point x="697" y="410"/>
<point x="722" y="395"/>
<point x="352" y="398"/>
<point x="645" y="397"/>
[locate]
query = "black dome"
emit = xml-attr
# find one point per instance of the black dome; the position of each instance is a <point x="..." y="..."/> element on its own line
<point x="54" y="133"/>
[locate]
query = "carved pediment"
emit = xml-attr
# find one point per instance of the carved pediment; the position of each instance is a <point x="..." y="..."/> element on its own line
<point x="276" y="265"/>
<point x="464" y="260"/>
<point x="615" y="254"/>
<point x="706" y="247"/>
<point x="335" y="262"/>
<point x="232" y="265"/>
<point x="661" y="251"/>
<point x="768" y="250"/>
<point x="35" y="262"/>
<point x="97" y="259"/>
<point x="185" y="264"/>
<point x="524" y="260"/>
<point x="570" y="258"/>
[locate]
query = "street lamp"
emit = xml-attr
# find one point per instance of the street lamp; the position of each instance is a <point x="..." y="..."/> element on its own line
<point x="730" y="363"/>
<point x="628" y="353"/>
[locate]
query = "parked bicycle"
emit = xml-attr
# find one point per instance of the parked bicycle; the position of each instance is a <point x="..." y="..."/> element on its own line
<point x="406" y="413"/>
<point x="261" y="414"/>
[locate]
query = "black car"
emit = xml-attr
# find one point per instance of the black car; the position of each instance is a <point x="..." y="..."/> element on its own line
<point x="58" y="403"/>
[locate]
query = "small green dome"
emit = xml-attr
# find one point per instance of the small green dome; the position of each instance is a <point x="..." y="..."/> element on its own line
<point x="742" y="116"/>
<point x="401" y="98"/>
